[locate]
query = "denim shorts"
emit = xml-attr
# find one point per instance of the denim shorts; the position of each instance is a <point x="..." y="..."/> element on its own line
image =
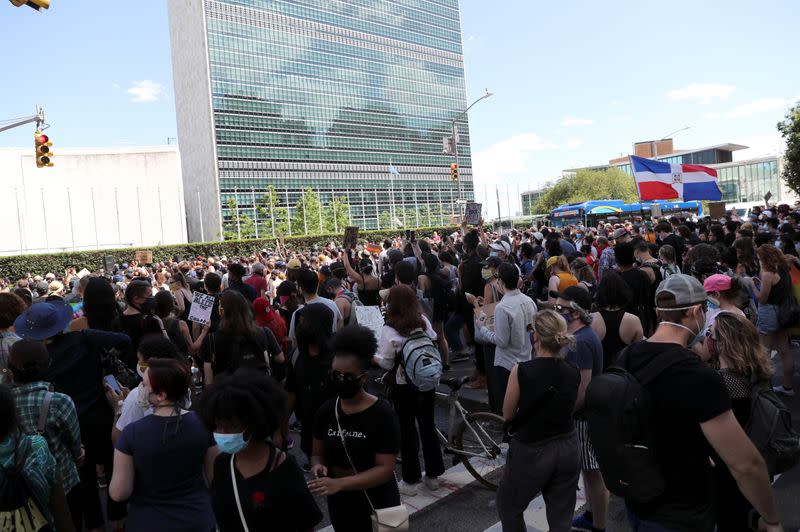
<point x="768" y="319"/>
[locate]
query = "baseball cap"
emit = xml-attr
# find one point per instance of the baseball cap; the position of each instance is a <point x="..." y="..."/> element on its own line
<point x="684" y="289"/>
<point x="552" y="260"/>
<point x="576" y="294"/>
<point x="492" y="262"/>
<point x="619" y="233"/>
<point x="293" y="264"/>
<point x="717" y="283"/>
<point x="501" y="245"/>
<point x="538" y="236"/>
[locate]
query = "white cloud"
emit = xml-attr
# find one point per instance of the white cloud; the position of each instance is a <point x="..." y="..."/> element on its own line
<point x="115" y="86"/>
<point x="759" y="146"/>
<point x="762" y="105"/>
<point x="574" y="143"/>
<point x="145" y="90"/>
<point x="703" y="93"/>
<point x="508" y="158"/>
<point x="573" y="121"/>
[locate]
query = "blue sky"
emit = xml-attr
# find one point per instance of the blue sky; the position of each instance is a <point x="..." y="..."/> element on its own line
<point x="575" y="82"/>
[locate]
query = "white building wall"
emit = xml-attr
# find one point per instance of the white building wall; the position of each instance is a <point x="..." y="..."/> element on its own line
<point x="92" y="198"/>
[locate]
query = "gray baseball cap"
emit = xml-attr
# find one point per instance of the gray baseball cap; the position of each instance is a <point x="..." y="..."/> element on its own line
<point x="684" y="289"/>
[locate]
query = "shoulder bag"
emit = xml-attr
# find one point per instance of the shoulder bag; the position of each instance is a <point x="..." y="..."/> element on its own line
<point x="393" y="519"/>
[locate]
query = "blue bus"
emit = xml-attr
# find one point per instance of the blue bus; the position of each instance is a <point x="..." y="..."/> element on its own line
<point x="589" y="213"/>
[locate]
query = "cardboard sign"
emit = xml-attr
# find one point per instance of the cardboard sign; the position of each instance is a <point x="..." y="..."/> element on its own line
<point x="716" y="209"/>
<point x="144" y="257"/>
<point x="472" y="215"/>
<point x="655" y="211"/>
<point x="487" y="309"/>
<point x="350" y="237"/>
<point x="371" y="318"/>
<point x="108" y="264"/>
<point x="202" y="305"/>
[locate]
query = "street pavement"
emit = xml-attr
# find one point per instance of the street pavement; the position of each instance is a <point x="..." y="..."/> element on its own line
<point x="465" y="506"/>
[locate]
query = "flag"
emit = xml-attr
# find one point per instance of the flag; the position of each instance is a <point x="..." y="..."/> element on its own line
<point x="393" y="170"/>
<point x="660" y="180"/>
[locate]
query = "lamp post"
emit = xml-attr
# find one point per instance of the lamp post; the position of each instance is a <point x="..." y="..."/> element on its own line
<point x="668" y="135"/>
<point x="454" y="141"/>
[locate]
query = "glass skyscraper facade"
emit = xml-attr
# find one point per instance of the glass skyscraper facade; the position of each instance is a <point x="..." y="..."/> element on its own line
<point x="349" y="97"/>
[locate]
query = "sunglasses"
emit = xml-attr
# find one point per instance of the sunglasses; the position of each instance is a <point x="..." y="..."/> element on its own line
<point x="339" y="376"/>
<point x="560" y="308"/>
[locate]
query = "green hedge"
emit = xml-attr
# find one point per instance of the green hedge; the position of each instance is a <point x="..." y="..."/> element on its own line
<point x="15" y="266"/>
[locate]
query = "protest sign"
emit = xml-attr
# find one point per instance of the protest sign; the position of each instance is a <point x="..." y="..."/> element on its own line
<point x="371" y="318"/>
<point x="350" y="237"/>
<point x="473" y="213"/>
<point x="716" y="209"/>
<point x="202" y="305"/>
<point x="144" y="257"/>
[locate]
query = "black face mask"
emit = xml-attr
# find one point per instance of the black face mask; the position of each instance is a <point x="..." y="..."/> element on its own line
<point x="346" y="388"/>
<point x="147" y="306"/>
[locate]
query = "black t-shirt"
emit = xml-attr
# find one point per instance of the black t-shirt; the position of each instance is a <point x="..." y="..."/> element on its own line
<point x="245" y="289"/>
<point x="684" y="396"/>
<point x="678" y="244"/>
<point x="639" y="283"/>
<point x="368" y="433"/>
<point x="548" y="391"/>
<point x="277" y="501"/>
<point x="226" y="352"/>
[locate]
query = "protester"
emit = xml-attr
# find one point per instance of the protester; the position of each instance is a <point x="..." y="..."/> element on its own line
<point x="356" y="439"/>
<point x="538" y="405"/>
<point x="11" y="306"/>
<point x="615" y="327"/>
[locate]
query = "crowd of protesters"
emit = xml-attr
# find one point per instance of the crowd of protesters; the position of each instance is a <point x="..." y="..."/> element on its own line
<point x="107" y="384"/>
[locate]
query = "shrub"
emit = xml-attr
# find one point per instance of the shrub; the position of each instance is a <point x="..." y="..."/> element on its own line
<point x="15" y="266"/>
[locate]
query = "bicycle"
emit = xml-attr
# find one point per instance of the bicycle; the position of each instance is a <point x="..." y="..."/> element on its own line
<point x="478" y="439"/>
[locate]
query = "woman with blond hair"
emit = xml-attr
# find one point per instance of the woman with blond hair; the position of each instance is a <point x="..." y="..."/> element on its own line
<point x="734" y="346"/>
<point x="543" y="455"/>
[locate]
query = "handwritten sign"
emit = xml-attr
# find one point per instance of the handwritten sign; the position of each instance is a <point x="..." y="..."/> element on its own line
<point x="144" y="257"/>
<point x="717" y="209"/>
<point x="350" y="237"/>
<point x="473" y="213"/>
<point x="202" y="305"/>
<point x="371" y="318"/>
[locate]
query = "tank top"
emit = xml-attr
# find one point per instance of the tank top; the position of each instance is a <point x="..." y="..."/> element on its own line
<point x="565" y="280"/>
<point x="780" y="291"/>
<point x="612" y="342"/>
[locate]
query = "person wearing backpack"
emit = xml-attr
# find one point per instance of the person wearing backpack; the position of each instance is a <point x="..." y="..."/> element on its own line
<point x="407" y="348"/>
<point x="27" y="470"/>
<point x="733" y="345"/>
<point x="513" y="317"/>
<point x="660" y="462"/>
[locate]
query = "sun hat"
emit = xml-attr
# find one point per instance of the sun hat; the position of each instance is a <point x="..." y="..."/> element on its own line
<point x="43" y="320"/>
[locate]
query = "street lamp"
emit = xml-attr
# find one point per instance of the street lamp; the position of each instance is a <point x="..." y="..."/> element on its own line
<point x="665" y="137"/>
<point x="454" y="139"/>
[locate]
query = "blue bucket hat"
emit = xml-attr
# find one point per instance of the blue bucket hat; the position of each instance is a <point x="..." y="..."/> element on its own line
<point x="43" y="320"/>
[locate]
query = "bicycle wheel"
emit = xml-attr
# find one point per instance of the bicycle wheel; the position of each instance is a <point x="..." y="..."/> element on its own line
<point x="483" y="435"/>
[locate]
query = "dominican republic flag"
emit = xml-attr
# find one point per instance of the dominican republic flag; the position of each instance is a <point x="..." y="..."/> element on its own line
<point x="659" y="180"/>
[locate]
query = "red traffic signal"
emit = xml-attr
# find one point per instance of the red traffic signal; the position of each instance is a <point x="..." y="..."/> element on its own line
<point x="43" y="153"/>
<point x="454" y="172"/>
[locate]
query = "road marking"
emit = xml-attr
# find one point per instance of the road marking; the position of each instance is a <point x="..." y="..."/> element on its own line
<point x="450" y="482"/>
<point x="536" y="516"/>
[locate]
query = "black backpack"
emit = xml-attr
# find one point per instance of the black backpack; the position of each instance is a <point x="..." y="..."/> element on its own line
<point x="622" y="426"/>
<point x="770" y="429"/>
<point x="18" y="501"/>
<point x="244" y="353"/>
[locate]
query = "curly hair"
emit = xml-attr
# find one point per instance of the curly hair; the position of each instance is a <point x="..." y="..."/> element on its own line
<point x="772" y="259"/>
<point x="249" y="397"/>
<point x="738" y="341"/>
<point x="356" y="341"/>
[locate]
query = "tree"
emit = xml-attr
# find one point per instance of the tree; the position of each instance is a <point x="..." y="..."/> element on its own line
<point x="586" y="185"/>
<point x="271" y="212"/>
<point x="790" y="131"/>
<point x="307" y="214"/>
<point x="385" y="220"/>
<point x="336" y="215"/>
<point x="239" y="225"/>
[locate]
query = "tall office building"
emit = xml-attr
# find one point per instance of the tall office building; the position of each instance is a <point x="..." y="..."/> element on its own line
<point x="351" y="98"/>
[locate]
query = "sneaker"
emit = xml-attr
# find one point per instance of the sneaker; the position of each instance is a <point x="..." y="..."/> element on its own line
<point x="432" y="483"/>
<point x="582" y="522"/>
<point x="783" y="391"/>
<point x="409" y="490"/>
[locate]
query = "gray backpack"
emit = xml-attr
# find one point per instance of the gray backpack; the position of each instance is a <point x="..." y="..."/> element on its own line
<point x="770" y="428"/>
<point x="421" y="361"/>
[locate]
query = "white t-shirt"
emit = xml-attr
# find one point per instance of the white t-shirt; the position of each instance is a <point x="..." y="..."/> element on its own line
<point x="131" y="412"/>
<point x="390" y="344"/>
<point x="337" y="315"/>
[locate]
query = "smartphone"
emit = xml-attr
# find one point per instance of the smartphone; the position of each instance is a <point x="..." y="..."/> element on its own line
<point x="112" y="383"/>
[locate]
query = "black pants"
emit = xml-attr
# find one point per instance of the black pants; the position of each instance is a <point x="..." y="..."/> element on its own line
<point x="96" y="438"/>
<point x="416" y="408"/>
<point x="499" y="384"/>
<point x="75" y="505"/>
<point x="469" y="319"/>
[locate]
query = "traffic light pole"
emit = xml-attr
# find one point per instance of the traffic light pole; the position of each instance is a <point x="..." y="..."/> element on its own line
<point x="455" y="141"/>
<point x="38" y="118"/>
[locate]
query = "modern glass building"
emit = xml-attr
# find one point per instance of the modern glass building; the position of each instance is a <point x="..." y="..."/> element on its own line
<point x="351" y="98"/>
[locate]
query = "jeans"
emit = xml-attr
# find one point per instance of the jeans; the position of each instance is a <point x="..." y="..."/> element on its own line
<point x="452" y="330"/>
<point x="416" y="408"/>
<point x="551" y="468"/>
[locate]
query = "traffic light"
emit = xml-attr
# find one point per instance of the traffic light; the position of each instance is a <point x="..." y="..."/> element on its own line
<point x="454" y="172"/>
<point x="43" y="153"/>
<point x="35" y="4"/>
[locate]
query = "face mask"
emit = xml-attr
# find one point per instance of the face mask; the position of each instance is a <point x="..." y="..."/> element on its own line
<point x="486" y="273"/>
<point x="230" y="443"/>
<point x="143" y="401"/>
<point x="346" y="388"/>
<point x="797" y="247"/>
<point x="147" y="306"/>
<point x="779" y="244"/>
<point x="140" y="370"/>
<point x="567" y="316"/>
<point x="698" y="336"/>
<point x="493" y="254"/>
<point x="713" y="302"/>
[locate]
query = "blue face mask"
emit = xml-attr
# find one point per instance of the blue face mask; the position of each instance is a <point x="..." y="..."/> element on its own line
<point x="230" y="443"/>
<point x="493" y="254"/>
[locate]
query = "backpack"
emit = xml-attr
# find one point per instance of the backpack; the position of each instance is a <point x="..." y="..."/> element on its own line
<point x="421" y="361"/>
<point x="244" y="354"/>
<point x="770" y="429"/>
<point x="622" y="426"/>
<point x="20" y="507"/>
<point x="354" y="302"/>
